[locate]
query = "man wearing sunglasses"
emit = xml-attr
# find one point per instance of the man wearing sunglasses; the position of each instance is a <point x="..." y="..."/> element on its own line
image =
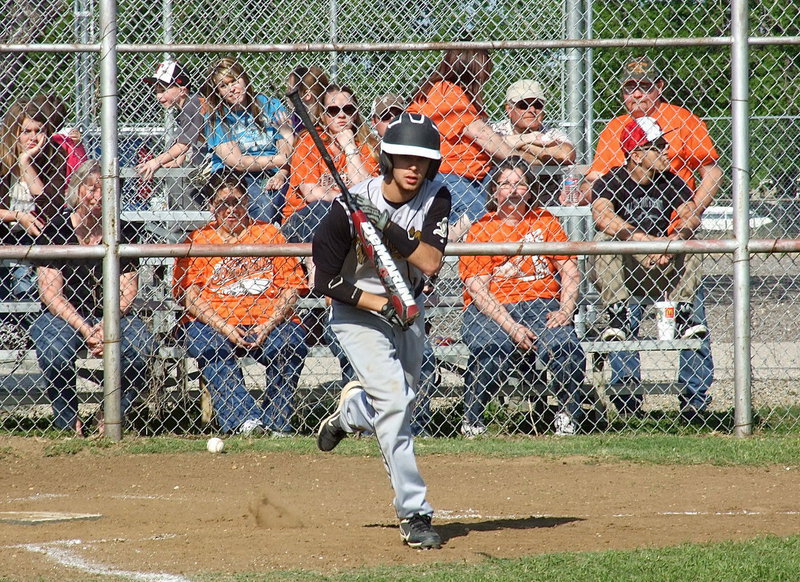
<point x="644" y="200"/>
<point x="525" y="130"/>
<point x="691" y="154"/>
<point x="385" y="108"/>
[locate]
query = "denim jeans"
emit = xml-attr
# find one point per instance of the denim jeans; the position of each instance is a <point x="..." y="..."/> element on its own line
<point x="57" y="344"/>
<point x="468" y="197"/>
<point x="282" y="354"/>
<point x="428" y="383"/>
<point x="491" y="349"/>
<point x="300" y="226"/>
<point x="695" y="367"/>
<point x="266" y="205"/>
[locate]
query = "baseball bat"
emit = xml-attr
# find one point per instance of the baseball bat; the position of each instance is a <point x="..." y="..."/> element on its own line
<point x="399" y="294"/>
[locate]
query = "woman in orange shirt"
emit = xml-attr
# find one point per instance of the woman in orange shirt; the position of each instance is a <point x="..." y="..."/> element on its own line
<point x="312" y="187"/>
<point x="520" y="304"/>
<point x="453" y="98"/>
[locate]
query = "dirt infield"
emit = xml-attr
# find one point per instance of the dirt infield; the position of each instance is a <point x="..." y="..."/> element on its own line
<point x="173" y="517"/>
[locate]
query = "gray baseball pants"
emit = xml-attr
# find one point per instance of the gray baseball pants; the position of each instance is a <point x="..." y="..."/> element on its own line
<point x="387" y="362"/>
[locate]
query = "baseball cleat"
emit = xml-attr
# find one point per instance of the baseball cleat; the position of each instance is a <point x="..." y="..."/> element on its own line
<point x="330" y="431"/>
<point x="417" y="532"/>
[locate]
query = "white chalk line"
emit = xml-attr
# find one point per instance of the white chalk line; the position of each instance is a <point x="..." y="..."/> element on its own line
<point x="61" y="551"/>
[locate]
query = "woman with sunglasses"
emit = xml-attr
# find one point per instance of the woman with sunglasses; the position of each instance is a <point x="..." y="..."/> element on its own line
<point x="452" y="96"/>
<point x="312" y="186"/>
<point x="250" y="134"/>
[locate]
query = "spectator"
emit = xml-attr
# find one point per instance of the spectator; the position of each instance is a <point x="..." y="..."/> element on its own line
<point x="32" y="179"/>
<point x="311" y="82"/>
<point x="644" y="201"/>
<point x="172" y="88"/>
<point x="69" y="138"/>
<point x="384" y="109"/>
<point x="453" y="98"/>
<point x="691" y="152"/>
<point x="312" y="185"/>
<point x="250" y="134"/>
<point x="71" y="292"/>
<point x="518" y="304"/>
<point x="525" y="130"/>
<point x="237" y="306"/>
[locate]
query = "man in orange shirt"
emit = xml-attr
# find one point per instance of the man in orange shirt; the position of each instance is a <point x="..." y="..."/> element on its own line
<point x="237" y="306"/>
<point x="690" y="152"/>
<point x="518" y="304"/>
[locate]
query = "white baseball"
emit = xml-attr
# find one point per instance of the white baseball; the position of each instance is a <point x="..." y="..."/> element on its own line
<point x="215" y="445"/>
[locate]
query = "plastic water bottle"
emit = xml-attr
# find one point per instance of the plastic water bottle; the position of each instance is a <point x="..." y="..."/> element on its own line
<point x="572" y="187"/>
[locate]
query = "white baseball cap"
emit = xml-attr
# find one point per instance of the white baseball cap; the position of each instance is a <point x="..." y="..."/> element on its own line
<point x="524" y="89"/>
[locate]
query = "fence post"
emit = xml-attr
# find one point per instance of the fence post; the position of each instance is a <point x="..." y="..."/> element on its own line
<point x="112" y="361"/>
<point x="740" y="177"/>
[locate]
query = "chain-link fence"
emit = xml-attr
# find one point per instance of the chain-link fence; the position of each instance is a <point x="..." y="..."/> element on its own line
<point x="212" y="342"/>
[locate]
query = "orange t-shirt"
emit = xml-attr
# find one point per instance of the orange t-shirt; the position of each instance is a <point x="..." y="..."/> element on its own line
<point x="517" y="278"/>
<point x="242" y="290"/>
<point x="451" y="109"/>
<point x="690" y="146"/>
<point x="309" y="168"/>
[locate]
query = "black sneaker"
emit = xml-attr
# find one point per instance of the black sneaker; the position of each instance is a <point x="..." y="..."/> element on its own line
<point x="686" y="326"/>
<point x="330" y="431"/>
<point x="618" y="327"/>
<point x="417" y="532"/>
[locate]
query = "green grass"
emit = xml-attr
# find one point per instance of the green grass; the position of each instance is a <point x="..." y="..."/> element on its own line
<point x="652" y="449"/>
<point x="769" y="559"/>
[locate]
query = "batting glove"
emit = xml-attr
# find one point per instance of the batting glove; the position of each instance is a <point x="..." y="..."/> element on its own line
<point x="380" y="218"/>
<point x="390" y="314"/>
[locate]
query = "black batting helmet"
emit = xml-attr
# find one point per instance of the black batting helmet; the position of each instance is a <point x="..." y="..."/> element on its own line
<point x="411" y="135"/>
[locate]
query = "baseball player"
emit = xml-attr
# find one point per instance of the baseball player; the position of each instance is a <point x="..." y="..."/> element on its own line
<point x="411" y="210"/>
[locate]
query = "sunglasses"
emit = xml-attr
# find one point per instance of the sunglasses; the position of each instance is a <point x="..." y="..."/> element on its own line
<point x="631" y="88"/>
<point x="390" y="114"/>
<point x="526" y="104"/>
<point x="334" y="110"/>
<point x="229" y="204"/>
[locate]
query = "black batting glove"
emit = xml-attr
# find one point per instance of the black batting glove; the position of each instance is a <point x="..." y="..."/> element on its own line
<point x="389" y="313"/>
<point x="377" y="217"/>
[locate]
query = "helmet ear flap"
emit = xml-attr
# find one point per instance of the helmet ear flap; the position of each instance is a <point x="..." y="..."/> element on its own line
<point x="433" y="169"/>
<point x="385" y="163"/>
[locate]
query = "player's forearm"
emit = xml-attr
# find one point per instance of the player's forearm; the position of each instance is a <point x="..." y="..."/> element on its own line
<point x="173" y="153"/>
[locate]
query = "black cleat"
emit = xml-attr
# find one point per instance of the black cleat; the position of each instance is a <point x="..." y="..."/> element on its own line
<point x="618" y="327"/>
<point x="686" y="326"/>
<point x="330" y="431"/>
<point x="417" y="532"/>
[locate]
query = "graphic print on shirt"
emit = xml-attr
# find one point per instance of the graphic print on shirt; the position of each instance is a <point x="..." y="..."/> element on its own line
<point x="524" y="267"/>
<point x="237" y="276"/>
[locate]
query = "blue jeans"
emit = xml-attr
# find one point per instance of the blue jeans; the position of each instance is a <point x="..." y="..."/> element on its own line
<point x="57" y="344"/>
<point x="282" y="354"/>
<point x="300" y="226"/>
<point x="468" y="197"/>
<point x="427" y="386"/>
<point x="695" y="367"/>
<point x="490" y="348"/>
<point x="266" y="205"/>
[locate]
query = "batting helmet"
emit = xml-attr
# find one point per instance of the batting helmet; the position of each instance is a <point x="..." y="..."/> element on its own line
<point x="411" y="135"/>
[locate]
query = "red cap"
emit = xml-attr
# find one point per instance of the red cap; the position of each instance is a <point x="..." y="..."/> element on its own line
<point x="640" y="132"/>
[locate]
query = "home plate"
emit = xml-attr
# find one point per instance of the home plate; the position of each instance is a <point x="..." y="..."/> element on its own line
<point x="34" y="517"/>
